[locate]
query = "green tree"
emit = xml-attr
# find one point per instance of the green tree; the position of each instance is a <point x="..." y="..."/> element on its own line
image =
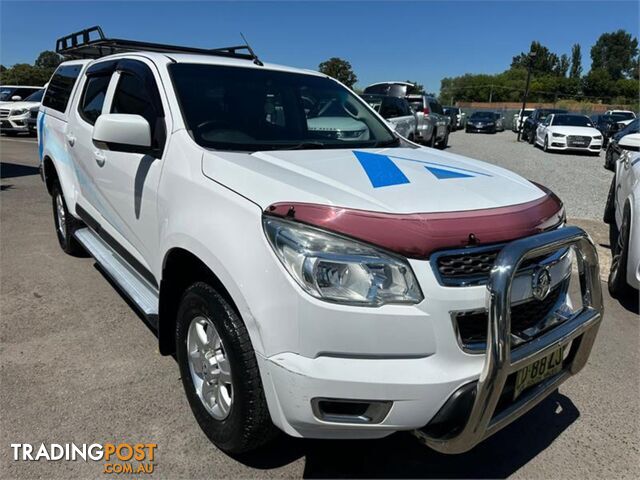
<point x="48" y="59"/>
<point x="576" y="61"/>
<point x="544" y="63"/>
<point x="615" y="52"/>
<point x="563" y="66"/>
<point x="598" y="83"/>
<point x="340" y="70"/>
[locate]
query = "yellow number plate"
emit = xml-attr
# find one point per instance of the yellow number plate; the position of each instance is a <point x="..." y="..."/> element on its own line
<point x="538" y="371"/>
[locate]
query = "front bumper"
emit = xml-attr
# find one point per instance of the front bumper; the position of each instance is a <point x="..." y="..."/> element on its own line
<point x="14" y="124"/>
<point x="580" y="330"/>
<point x="415" y="388"/>
<point x="561" y="144"/>
<point x="481" y="129"/>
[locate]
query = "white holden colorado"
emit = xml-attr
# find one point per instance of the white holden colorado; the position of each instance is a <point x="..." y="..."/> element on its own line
<point x="328" y="284"/>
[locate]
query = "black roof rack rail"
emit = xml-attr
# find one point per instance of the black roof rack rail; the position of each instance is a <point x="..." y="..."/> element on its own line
<point x="91" y="43"/>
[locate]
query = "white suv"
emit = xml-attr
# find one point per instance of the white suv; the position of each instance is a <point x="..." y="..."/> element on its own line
<point x="331" y="286"/>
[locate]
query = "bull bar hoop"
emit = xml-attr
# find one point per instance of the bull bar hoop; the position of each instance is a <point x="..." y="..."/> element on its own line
<point x="501" y="361"/>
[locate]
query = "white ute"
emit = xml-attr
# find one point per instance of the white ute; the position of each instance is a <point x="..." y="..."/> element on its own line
<point x="330" y="285"/>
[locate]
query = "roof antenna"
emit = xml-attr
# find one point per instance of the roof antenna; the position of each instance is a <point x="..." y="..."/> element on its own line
<point x="256" y="60"/>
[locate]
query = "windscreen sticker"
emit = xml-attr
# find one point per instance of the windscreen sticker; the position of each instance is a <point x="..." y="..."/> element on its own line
<point x="383" y="171"/>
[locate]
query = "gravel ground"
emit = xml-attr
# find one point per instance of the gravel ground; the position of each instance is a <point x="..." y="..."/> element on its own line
<point x="578" y="179"/>
<point x="78" y="365"/>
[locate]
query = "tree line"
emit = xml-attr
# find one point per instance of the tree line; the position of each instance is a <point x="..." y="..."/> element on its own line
<point x="612" y="78"/>
<point x="25" y="74"/>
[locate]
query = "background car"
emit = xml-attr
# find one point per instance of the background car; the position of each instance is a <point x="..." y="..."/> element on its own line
<point x="394" y="89"/>
<point x="531" y="122"/>
<point x="328" y="118"/>
<point x="622" y="213"/>
<point x="14" y="116"/>
<point x="481" y="122"/>
<point x="519" y="118"/>
<point x="608" y="126"/>
<point x="16" y="93"/>
<point x="627" y="116"/>
<point x="433" y="124"/>
<point x="499" y="121"/>
<point x="563" y="131"/>
<point x="397" y="112"/>
<point x="613" y="149"/>
<point x="457" y="115"/>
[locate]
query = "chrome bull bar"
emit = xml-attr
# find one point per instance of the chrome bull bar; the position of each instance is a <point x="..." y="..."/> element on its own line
<point x="501" y="361"/>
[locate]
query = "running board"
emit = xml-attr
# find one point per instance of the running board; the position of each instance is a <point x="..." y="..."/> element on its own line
<point x="135" y="288"/>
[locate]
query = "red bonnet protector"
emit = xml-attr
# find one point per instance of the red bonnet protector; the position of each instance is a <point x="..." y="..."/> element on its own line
<point x="417" y="235"/>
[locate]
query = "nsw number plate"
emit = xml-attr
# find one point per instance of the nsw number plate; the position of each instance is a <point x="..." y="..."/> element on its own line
<point x="538" y="371"/>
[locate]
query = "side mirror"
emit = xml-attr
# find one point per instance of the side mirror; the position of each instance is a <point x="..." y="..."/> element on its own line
<point x="121" y="132"/>
<point x="16" y="98"/>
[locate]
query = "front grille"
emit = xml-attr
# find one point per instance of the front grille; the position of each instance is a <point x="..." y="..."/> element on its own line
<point x="471" y="266"/>
<point x="526" y="317"/>
<point x="578" y="141"/>
<point x="4" y="113"/>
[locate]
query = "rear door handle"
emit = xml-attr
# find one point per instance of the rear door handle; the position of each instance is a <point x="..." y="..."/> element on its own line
<point x="99" y="157"/>
<point x="71" y="140"/>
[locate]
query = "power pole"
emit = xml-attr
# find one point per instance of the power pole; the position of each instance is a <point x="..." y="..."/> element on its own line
<point x="532" y="56"/>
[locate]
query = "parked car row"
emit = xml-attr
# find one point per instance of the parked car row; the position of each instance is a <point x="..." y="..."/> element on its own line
<point x="418" y="118"/>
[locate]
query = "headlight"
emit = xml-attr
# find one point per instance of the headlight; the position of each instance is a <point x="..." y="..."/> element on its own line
<point x="558" y="135"/>
<point x="598" y="137"/>
<point x="337" y="269"/>
<point x="19" y="111"/>
<point x="349" y="134"/>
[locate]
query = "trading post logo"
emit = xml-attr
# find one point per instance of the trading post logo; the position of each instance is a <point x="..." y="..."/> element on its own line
<point x="133" y="458"/>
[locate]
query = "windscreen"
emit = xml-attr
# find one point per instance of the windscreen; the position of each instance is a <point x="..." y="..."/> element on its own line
<point x="6" y="93"/>
<point x="35" y="97"/>
<point x="572" y="120"/>
<point x="251" y="109"/>
<point x="483" y="116"/>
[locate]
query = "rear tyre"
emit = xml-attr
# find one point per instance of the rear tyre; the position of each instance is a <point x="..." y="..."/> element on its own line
<point x="65" y="223"/>
<point x="442" y="144"/>
<point x="432" y="140"/>
<point x="617" y="282"/>
<point x="220" y="372"/>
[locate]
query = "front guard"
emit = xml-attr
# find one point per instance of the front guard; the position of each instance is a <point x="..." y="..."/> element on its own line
<point x="501" y="361"/>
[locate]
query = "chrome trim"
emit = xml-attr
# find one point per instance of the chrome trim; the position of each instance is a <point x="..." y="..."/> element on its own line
<point x="501" y="361"/>
<point x="482" y="279"/>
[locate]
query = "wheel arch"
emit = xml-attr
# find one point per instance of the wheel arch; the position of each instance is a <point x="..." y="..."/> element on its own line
<point x="181" y="268"/>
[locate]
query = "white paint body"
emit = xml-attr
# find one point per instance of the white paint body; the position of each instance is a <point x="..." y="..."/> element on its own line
<point x="211" y="204"/>
<point x="627" y="195"/>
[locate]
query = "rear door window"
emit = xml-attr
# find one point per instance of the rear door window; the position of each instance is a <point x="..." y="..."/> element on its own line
<point x="95" y="90"/>
<point x="61" y="86"/>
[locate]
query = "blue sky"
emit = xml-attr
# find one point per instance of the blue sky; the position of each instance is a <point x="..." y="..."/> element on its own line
<point x="423" y="41"/>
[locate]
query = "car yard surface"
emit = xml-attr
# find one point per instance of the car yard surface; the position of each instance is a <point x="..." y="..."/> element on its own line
<point x="78" y="365"/>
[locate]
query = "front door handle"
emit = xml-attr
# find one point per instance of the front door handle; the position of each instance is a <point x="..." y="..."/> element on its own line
<point x="99" y="157"/>
<point x="71" y="140"/>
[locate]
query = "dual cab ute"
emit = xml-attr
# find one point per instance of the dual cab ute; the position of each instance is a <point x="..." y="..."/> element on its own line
<point x="332" y="286"/>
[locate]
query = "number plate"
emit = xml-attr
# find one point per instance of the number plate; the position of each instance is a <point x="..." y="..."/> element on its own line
<point x="537" y="371"/>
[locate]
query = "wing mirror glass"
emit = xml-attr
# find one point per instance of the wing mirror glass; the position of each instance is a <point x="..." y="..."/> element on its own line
<point x="121" y="132"/>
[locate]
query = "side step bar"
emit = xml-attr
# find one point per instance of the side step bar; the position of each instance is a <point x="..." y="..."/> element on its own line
<point x="136" y="289"/>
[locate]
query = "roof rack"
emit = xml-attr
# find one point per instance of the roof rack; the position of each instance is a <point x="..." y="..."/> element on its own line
<point x="91" y="43"/>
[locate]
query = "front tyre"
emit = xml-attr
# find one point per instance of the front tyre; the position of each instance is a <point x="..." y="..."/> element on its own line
<point x="220" y="373"/>
<point x="65" y="223"/>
